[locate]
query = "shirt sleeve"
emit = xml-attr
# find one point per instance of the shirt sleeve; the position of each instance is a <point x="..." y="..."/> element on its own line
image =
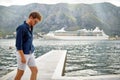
<point x="19" y="37"/>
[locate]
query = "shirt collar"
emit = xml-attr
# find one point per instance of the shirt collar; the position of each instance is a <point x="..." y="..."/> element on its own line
<point x="28" y="27"/>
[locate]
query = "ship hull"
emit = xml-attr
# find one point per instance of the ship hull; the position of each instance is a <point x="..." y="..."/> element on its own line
<point x="77" y="37"/>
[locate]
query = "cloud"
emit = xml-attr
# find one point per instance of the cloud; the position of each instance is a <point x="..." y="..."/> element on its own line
<point x="23" y="2"/>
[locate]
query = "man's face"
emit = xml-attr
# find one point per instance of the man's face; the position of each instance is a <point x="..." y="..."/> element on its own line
<point x="34" y="21"/>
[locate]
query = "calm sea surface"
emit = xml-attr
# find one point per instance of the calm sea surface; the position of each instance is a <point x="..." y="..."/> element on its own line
<point x="84" y="58"/>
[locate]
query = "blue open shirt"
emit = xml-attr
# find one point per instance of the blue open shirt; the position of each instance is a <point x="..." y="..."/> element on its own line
<point x="24" y="38"/>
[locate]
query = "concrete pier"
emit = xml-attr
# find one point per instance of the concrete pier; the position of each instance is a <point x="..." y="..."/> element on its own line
<point x="46" y="64"/>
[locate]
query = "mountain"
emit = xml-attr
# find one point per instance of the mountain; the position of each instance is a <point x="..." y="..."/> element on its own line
<point x="55" y="16"/>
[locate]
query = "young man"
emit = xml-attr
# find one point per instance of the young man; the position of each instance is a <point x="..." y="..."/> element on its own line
<point x="25" y="48"/>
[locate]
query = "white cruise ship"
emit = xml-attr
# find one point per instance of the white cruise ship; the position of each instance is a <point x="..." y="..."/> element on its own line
<point x="82" y="34"/>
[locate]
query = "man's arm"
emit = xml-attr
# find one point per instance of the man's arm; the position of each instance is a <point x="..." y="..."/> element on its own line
<point x="19" y="43"/>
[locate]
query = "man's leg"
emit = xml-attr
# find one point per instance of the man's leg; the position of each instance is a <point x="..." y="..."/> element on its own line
<point x="21" y="67"/>
<point x="33" y="67"/>
<point x="34" y="72"/>
<point x="19" y="74"/>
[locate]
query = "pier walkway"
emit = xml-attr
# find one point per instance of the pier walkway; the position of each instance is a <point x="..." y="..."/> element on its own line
<point x="46" y="64"/>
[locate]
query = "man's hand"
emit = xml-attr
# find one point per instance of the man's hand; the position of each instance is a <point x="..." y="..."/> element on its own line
<point x="23" y="60"/>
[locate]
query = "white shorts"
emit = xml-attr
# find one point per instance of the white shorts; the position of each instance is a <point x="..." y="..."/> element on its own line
<point x="30" y="61"/>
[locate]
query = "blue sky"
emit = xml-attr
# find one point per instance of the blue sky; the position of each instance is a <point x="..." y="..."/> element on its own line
<point x="24" y="2"/>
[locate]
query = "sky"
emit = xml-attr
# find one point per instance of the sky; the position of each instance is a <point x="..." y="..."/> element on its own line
<point x="24" y="2"/>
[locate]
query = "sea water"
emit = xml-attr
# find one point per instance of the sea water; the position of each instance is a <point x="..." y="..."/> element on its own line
<point x="84" y="58"/>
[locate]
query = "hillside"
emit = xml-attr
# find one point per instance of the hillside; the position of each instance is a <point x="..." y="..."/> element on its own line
<point x="71" y="16"/>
